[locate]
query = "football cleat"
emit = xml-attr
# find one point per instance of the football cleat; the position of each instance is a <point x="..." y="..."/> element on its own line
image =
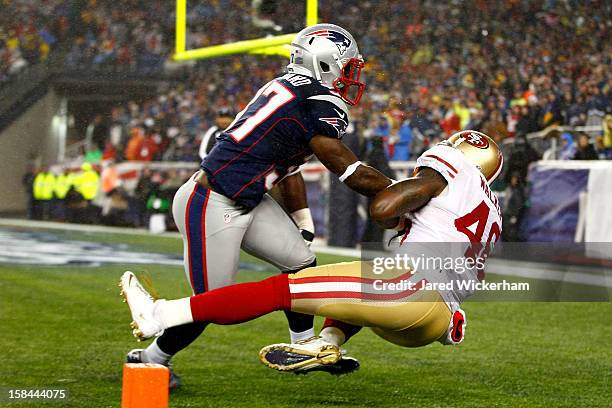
<point x="135" y="356"/>
<point x="302" y="355"/>
<point x="346" y="365"/>
<point x="142" y="306"/>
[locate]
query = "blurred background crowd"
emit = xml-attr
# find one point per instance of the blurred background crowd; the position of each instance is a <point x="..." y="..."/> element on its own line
<point x="507" y="68"/>
<point x="29" y="30"/>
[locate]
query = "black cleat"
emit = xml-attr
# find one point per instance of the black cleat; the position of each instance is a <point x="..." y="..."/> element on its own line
<point x="346" y="365"/>
<point x="174" y="383"/>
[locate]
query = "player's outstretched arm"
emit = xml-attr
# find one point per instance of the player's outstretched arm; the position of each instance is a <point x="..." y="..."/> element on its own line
<point x="340" y="160"/>
<point x="407" y="195"/>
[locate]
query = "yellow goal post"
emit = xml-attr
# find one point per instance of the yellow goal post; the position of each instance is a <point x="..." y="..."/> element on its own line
<point x="273" y="45"/>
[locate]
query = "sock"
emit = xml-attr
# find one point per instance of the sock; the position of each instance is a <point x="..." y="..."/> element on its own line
<point x="177" y="338"/>
<point x="297" y="336"/>
<point x="299" y="322"/>
<point x="173" y="312"/>
<point x="153" y="354"/>
<point x="337" y="332"/>
<point x="333" y="335"/>
<point x="243" y="302"/>
<point x="301" y="326"/>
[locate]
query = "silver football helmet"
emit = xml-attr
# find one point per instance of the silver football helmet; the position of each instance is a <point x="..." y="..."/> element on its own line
<point x="329" y="53"/>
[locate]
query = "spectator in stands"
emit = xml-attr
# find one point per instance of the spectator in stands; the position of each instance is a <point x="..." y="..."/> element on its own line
<point x="600" y="148"/>
<point x="151" y="145"/>
<point x="44" y="187"/>
<point x="28" y="31"/>
<point x="607" y="135"/>
<point x="568" y="147"/>
<point x="585" y="150"/>
<point x="224" y="117"/>
<point x="27" y="182"/>
<point x="376" y="156"/>
<point x="404" y="143"/>
<point x="143" y="191"/>
<point x="513" y="82"/>
<point x="515" y="197"/>
<point x="97" y="134"/>
<point x="495" y="127"/>
<point x="63" y="183"/>
<point x="134" y="145"/>
<point x="87" y="183"/>
<point x="517" y="162"/>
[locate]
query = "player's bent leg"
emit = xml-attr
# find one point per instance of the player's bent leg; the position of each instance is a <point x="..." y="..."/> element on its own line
<point x="174" y="339"/>
<point x="441" y="324"/>
<point x="345" y="292"/>
<point x="273" y="237"/>
<point x="301" y="326"/>
<point x="427" y="325"/>
<point x="337" y="291"/>
<point x="202" y="219"/>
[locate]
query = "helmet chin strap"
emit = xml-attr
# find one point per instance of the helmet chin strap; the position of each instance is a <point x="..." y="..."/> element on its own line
<point x="459" y="141"/>
<point x="338" y="62"/>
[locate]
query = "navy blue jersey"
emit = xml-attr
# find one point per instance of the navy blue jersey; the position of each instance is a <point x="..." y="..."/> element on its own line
<point x="269" y="138"/>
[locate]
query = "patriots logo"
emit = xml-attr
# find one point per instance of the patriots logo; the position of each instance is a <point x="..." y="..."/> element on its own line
<point x="341" y="41"/>
<point x="339" y="124"/>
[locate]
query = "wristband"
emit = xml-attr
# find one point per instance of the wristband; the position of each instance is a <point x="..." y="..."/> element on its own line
<point x="349" y="171"/>
<point x="303" y="219"/>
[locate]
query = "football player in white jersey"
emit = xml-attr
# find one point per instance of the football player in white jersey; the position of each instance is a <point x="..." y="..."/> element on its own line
<point x="447" y="201"/>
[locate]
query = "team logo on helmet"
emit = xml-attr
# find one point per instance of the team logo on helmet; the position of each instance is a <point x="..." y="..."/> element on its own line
<point x="476" y="140"/>
<point x="341" y="41"/>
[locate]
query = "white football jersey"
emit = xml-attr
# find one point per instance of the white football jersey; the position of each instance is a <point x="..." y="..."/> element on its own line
<point x="465" y="214"/>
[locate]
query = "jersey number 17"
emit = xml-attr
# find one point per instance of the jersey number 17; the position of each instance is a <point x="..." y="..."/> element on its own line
<point x="266" y="101"/>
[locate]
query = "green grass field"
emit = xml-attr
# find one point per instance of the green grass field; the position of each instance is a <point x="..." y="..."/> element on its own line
<point x="65" y="327"/>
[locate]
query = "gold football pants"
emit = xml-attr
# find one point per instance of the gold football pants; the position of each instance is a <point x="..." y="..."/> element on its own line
<point x="352" y="293"/>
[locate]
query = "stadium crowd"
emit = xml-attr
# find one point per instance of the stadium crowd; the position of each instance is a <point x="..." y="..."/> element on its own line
<point x="134" y="36"/>
<point x="432" y="68"/>
<point x="29" y="29"/>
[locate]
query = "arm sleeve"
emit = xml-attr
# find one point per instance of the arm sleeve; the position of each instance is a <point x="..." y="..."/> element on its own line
<point x="443" y="159"/>
<point x="328" y="116"/>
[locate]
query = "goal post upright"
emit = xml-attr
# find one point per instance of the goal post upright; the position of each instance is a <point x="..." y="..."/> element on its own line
<point x="273" y="45"/>
<point x="181" y="26"/>
<point x="312" y="12"/>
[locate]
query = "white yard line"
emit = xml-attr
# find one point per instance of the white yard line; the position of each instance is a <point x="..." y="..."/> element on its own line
<point x="501" y="267"/>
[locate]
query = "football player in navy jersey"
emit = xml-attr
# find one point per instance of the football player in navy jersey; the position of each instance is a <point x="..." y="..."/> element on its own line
<point x="225" y="206"/>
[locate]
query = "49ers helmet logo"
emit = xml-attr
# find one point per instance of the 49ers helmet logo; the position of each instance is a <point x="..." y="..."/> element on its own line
<point x="476" y="140"/>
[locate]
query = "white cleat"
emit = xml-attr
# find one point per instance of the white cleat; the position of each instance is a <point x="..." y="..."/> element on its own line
<point x="302" y="355"/>
<point x="142" y="306"/>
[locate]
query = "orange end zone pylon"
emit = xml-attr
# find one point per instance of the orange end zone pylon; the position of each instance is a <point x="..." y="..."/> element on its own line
<point x="145" y="386"/>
